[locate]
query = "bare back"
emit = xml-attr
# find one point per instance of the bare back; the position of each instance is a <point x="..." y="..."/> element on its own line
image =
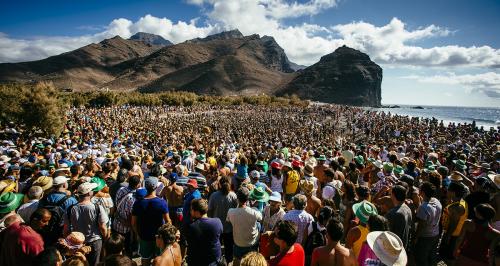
<point x="174" y="195"/>
<point x="338" y="256"/>
<point x="170" y="257"/>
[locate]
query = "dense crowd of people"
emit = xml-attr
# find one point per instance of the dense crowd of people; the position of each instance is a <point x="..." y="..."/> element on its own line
<point x="249" y="185"/>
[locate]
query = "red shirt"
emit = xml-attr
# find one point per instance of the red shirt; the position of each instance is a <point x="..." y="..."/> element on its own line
<point x="19" y="245"/>
<point x="297" y="257"/>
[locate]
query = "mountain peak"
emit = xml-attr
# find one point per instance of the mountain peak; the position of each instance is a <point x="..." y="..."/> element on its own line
<point x="225" y="35"/>
<point x="151" y="39"/>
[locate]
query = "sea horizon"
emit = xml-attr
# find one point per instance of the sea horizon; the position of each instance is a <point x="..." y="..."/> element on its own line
<point x="483" y="116"/>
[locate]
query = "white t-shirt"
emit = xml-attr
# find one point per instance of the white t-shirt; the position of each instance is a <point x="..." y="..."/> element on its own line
<point x="244" y="222"/>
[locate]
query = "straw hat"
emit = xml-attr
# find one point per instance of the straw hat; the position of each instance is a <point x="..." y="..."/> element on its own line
<point x="75" y="240"/>
<point x="308" y="170"/>
<point x="495" y="178"/>
<point x="456" y="177"/>
<point x="307" y="186"/>
<point x="387" y="247"/>
<point x="7" y="186"/>
<point x="44" y="181"/>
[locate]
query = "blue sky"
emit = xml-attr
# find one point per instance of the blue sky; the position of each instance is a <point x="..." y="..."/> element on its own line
<point x="444" y="52"/>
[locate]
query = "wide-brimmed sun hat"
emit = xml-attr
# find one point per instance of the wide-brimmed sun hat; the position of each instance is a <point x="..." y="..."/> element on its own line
<point x="399" y="170"/>
<point x="275" y="196"/>
<point x="258" y="194"/>
<point x="376" y="163"/>
<point x="45" y="182"/>
<point x="307" y="186"/>
<point x="359" y="160"/>
<point x="100" y="183"/>
<point x="363" y="210"/>
<point x="388" y="167"/>
<point x="10" y="201"/>
<point x="456" y="177"/>
<point x="495" y="178"/>
<point x="7" y="186"/>
<point x="308" y="170"/>
<point x="75" y="240"/>
<point x="388" y="248"/>
<point x="460" y="164"/>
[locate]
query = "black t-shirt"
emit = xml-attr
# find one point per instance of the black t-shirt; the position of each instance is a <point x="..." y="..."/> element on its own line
<point x="203" y="241"/>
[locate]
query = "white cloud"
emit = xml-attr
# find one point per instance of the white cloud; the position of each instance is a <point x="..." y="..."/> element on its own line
<point x="487" y="83"/>
<point x="392" y="45"/>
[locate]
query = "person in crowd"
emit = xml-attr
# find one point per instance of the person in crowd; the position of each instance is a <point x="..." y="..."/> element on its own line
<point x="88" y="218"/>
<point x="253" y="259"/>
<point x="400" y="217"/>
<point x="19" y="243"/>
<point x="357" y="235"/>
<point x="333" y="253"/>
<point x="313" y="203"/>
<point x="123" y="214"/>
<point x="218" y="205"/>
<point x="58" y="201"/>
<point x="427" y="233"/>
<point x="272" y="212"/>
<point x="166" y="240"/>
<point x="173" y="194"/>
<point x="204" y="247"/>
<point x="478" y="240"/>
<point x="316" y="232"/>
<point x="299" y="216"/>
<point x="114" y="245"/>
<point x="246" y="226"/>
<point x="366" y="254"/>
<point x="388" y="249"/>
<point x="453" y="218"/>
<point x="148" y="215"/>
<point x="35" y="193"/>
<point x="290" y="252"/>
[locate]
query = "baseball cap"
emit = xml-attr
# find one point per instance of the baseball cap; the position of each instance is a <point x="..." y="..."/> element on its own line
<point x="151" y="182"/>
<point x="60" y="180"/>
<point x="86" y="187"/>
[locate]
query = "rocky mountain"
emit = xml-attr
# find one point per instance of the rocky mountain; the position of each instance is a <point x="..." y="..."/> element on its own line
<point x="346" y="76"/>
<point x="81" y="69"/>
<point x="227" y="63"/>
<point x="151" y="39"/>
<point x="225" y="35"/>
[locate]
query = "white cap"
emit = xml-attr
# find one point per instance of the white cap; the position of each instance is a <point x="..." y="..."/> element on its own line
<point x="60" y="180"/>
<point x="86" y="187"/>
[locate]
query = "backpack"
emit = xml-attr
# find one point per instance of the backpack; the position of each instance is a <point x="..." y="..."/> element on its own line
<point x="316" y="239"/>
<point x="54" y="229"/>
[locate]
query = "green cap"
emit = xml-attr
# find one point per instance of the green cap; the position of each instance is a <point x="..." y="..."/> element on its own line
<point x="100" y="183"/>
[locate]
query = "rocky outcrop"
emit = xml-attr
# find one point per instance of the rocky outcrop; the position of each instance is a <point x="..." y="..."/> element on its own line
<point x="151" y="39"/>
<point x="346" y="76"/>
<point x="225" y="35"/>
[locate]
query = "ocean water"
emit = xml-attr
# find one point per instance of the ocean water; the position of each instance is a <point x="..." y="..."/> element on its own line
<point x="487" y="117"/>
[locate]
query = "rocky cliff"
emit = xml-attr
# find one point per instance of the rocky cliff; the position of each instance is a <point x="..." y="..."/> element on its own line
<point x="151" y="39"/>
<point x="346" y="76"/>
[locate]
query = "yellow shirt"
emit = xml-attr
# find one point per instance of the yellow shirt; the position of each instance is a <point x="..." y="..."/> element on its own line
<point x="446" y="217"/>
<point x="292" y="182"/>
<point x="356" y="246"/>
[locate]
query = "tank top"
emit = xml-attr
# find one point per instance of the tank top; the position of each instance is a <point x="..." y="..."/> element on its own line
<point x="476" y="244"/>
<point x="277" y="183"/>
<point x="446" y="217"/>
<point x="356" y="247"/>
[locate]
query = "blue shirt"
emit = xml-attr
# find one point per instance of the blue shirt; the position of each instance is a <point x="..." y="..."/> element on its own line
<point x="57" y="196"/>
<point x="186" y="208"/>
<point x="149" y="213"/>
<point x="203" y="239"/>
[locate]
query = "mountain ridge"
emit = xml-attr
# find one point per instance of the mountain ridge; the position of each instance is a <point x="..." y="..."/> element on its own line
<point x="226" y="63"/>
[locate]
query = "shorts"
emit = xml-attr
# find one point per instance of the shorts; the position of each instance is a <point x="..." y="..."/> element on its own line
<point x="148" y="249"/>
<point x="239" y="252"/>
